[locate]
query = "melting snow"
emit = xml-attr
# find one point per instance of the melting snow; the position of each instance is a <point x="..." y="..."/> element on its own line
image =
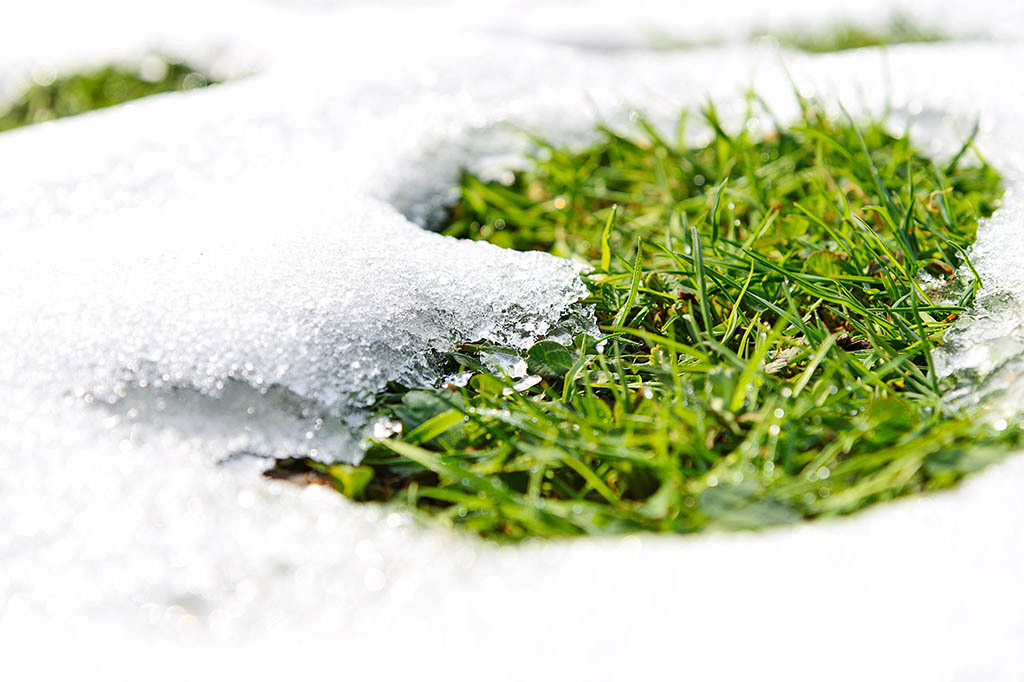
<point x="203" y="274"/>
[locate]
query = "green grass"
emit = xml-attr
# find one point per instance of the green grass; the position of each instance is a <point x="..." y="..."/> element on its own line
<point x="768" y="305"/>
<point x="60" y="96"/>
<point x="834" y="37"/>
<point x="850" y="36"/>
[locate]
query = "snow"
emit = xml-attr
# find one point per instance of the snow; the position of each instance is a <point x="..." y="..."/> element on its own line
<point x="229" y="270"/>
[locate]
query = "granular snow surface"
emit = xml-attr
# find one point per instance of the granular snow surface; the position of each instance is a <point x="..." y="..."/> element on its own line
<point x="199" y="280"/>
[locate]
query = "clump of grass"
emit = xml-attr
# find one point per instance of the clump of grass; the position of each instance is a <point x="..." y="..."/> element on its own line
<point x="768" y="305"/>
<point x="850" y="36"/>
<point x="53" y="96"/>
<point x="835" y="37"/>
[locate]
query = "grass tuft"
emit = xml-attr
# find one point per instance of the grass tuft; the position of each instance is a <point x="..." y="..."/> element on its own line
<point x="842" y="36"/>
<point x="52" y="96"/>
<point x="768" y="305"/>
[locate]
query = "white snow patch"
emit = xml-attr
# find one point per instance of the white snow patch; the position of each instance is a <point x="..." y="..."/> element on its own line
<point x="226" y="270"/>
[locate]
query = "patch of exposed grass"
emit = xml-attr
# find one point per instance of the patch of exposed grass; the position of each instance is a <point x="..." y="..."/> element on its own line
<point x="52" y="96"/>
<point x="835" y="37"/>
<point x="768" y="305"/>
<point x="850" y="36"/>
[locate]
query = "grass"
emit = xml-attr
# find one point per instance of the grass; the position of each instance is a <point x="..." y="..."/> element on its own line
<point x="834" y="37"/>
<point x="767" y="304"/>
<point x="52" y="96"/>
<point x="850" y="36"/>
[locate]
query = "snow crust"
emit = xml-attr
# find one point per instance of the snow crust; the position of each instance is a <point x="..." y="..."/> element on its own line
<point x="226" y="271"/>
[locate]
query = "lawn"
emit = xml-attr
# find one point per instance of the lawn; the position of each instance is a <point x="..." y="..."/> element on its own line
<point x="768" y="304"/>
